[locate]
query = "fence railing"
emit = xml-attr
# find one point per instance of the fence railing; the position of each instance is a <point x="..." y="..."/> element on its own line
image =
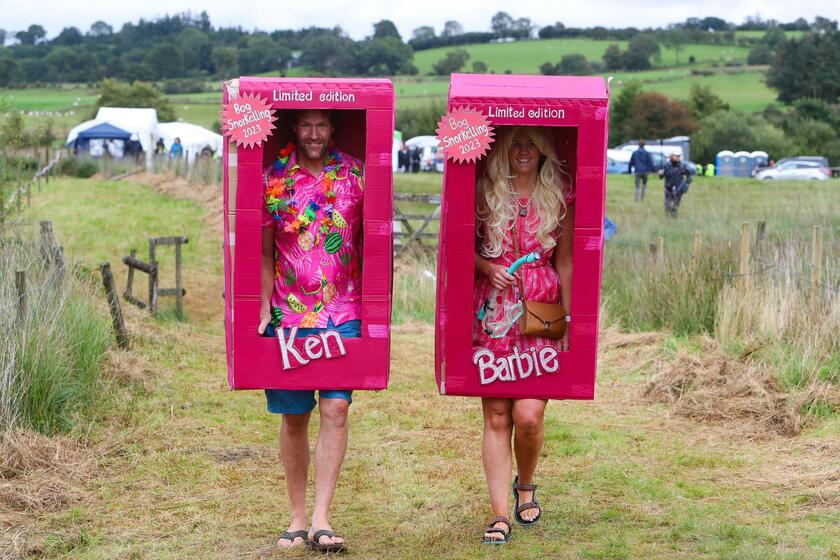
<point x="23" y="190"/>
<point x="412" y="229"/>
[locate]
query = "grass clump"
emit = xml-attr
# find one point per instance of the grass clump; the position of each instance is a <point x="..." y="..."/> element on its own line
<point x="50" y="352"/>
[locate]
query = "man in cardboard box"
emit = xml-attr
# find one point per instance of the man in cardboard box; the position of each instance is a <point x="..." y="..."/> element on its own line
<point x="311" y="282"/>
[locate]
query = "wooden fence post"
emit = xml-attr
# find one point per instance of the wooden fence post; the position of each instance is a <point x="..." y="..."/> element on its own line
<point x="47" y="241"/>
<point x="759" y="236"/>
<point x="152" y="279"/>
<point x="744" y="265"/>
<point x="179" y="294"/>
<point x="698" y="244"/>
<point x="660" y="250"/>
<point x="114" y="304"/>
<point x="816" y="269"/>
<point x="20" y="284"/>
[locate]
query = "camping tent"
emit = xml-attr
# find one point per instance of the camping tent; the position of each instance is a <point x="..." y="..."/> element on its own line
<point x="194" y="138"/>
<point x="142" y="122"/>
<point x="95" y="137"/>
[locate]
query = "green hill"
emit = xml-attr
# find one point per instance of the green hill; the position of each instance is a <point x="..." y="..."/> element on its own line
<point x="525" y="57"/>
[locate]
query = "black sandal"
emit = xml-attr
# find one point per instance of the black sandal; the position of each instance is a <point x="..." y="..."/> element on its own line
<point x="518" y="509"/>
<point x="491" y="529"/>
<point x="291" y="536"/>
<point x="315" y="542"/>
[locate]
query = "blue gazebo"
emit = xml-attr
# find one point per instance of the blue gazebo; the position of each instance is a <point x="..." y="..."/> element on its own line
<point x="101" y="131"/>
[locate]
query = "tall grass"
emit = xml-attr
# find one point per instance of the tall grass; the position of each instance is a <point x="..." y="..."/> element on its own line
<point x="773" y="319"/>
<point x="414" y="287"/>
<point x="203" y="170"/>
<point x="49" y="354"/>
<point x="676" y="293"/>
<point x="777" y="315"/>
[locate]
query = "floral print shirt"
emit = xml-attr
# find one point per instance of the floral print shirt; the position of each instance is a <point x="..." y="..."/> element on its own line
<point x="317" y="224"/>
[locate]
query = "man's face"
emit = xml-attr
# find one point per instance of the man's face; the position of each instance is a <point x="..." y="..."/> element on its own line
<point x="314" y="132"/>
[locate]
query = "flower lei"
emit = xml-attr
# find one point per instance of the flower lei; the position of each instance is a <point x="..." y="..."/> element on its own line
<point x="280" y="187"/>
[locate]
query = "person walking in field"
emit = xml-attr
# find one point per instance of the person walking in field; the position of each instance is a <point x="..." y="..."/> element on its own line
<point x="677" y="177"/>
<point x="311" y="280"/>
<point x="524" y="204"/>
<point x="641" y="164"/>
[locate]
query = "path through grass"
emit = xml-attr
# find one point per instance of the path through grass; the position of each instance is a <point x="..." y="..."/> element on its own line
<point x="198" y="475"/>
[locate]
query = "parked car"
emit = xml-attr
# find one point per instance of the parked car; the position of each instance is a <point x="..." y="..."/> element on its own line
<point x="614" y="166"/>
<point x="795" y="169"/>
<point x="817" y="159"/>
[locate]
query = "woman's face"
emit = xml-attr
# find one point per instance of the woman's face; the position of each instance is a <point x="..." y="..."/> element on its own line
<point x="524" y="155"/>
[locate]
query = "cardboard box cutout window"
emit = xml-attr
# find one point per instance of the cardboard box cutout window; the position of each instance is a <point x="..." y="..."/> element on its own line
<point x="575" y="110"/>
<point x="363" y="119"/>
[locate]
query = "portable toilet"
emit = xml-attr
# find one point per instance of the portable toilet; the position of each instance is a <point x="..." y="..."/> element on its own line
<point x="725" y="163"/>
<point x="743" y="164"/>
<point x="760" y="159"/>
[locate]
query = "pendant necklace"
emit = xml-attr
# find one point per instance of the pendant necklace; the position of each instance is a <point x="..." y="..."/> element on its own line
<point x="523" y="208"/>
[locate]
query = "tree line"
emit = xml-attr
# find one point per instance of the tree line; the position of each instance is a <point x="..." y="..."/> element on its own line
<point x="189" y="46"/>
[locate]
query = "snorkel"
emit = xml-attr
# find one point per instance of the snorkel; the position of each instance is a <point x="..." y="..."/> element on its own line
<point x="497" y="327"/>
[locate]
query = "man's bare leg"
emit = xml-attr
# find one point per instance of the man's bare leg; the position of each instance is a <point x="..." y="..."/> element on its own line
<point x="329" y="456"/>
<point x="294" y="451"/>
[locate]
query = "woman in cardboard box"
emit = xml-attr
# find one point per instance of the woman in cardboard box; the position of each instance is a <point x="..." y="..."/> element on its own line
<point x="524" y="204"/>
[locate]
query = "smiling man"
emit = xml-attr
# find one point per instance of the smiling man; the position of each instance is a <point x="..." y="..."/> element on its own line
<point x="311" y="280"/>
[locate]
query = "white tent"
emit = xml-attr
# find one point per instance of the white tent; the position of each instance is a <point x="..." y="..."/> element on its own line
<point x="194" y="138"/>
<point x="142" y="122"/>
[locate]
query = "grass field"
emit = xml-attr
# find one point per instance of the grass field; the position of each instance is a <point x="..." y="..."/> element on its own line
<point x="525" y="57"/>
<point x="745" y="90"/>
<point x="65" y="106"/>
<point x="181" y="467"/>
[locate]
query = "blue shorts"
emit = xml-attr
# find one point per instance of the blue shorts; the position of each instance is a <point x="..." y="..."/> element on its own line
<point x="290" y="401"/>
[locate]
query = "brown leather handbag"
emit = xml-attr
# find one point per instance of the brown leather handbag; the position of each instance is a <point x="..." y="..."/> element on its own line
<point x="547" y="320"/>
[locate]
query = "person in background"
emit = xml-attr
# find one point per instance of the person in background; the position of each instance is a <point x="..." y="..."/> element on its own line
<point x="403" y="159"/>
<point x="415" y="160"/>
<point x="160" y="147"/>
<point x="641" y="164"/>
<point x="176" y="151"/>
<point x="677" y="178"/>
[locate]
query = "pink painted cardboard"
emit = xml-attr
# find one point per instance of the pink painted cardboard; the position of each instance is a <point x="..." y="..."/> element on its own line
<point x="577" y="110"/>
<point x="364" y="111"/>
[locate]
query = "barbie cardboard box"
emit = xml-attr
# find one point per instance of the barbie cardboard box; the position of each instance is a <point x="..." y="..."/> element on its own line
<point x="521" y="236"/>
<point x="308" y="235"/>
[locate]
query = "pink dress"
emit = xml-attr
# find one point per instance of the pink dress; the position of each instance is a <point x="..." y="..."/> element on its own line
<point x="540" y="283"/>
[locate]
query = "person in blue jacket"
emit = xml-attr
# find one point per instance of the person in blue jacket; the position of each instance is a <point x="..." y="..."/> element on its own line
<point x="177" y="150"/>
<point x="641" y="164"/>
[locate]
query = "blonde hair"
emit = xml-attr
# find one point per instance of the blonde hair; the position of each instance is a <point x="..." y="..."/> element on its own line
<point x="495" y="207"/>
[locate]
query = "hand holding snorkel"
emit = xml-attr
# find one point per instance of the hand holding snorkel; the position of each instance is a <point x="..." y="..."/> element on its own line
<point x="496" y="320"/>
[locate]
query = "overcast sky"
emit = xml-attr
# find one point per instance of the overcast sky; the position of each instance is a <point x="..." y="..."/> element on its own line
<point x="54" y="15"/>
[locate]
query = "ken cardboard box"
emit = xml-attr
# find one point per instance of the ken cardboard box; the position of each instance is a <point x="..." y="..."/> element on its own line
<point x="364" y="123"/>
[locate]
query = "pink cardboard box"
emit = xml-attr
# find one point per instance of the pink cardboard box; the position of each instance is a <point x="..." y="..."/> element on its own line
<point x="576" y="108"/>
<point x="364" y="122"/>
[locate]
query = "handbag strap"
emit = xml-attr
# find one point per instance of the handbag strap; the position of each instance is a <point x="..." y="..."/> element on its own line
<point x="518" y="254"/>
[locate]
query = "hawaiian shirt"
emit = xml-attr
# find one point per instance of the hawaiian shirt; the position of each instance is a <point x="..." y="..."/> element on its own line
<point x="317" y="225"/>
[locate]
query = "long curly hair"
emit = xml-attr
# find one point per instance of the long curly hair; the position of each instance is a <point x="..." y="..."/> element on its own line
<point x="495" y="207"/>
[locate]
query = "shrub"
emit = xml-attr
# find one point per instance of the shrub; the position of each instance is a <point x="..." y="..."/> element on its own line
<point x="77" y="167"/>
<point x="414" y="121"/>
